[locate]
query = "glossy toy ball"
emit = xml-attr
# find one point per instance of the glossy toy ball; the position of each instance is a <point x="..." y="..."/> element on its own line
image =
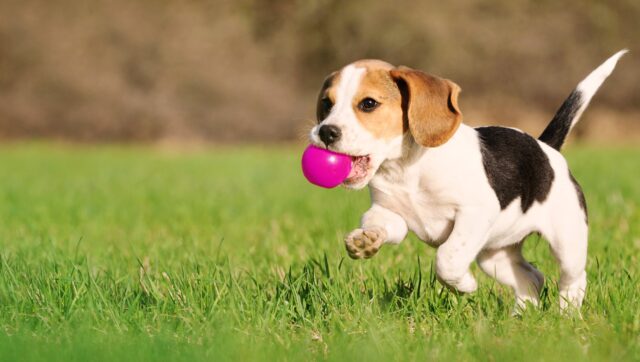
<point x="325" y="168"/>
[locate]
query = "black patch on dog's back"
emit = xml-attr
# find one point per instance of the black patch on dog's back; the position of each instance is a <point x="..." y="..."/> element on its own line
<point x="515" y="165"/>
<point x="581" y="199"/>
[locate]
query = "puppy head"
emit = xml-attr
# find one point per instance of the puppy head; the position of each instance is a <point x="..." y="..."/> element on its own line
<point x="369" y="107"/>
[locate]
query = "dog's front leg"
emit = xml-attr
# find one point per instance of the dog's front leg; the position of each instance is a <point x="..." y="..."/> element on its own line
<point x="454" y="256"/>
<point x="378" y="226"/>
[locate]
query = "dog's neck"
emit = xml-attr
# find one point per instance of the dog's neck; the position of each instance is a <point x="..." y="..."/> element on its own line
<point x="396" y="170"/>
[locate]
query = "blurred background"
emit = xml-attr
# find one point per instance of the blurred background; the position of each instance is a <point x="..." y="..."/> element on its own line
<point x="247" y="70"/>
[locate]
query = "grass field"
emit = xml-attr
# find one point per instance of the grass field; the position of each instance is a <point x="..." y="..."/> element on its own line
<point x="130" y="253"/>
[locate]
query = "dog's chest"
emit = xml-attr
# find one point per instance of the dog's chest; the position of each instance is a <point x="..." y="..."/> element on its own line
<point x="425" y="211"/>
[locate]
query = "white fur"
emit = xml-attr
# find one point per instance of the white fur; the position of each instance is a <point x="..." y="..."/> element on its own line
<point x="443" y="195"/>
<point x="593" y="81"/>
<point x="355" y="140"/>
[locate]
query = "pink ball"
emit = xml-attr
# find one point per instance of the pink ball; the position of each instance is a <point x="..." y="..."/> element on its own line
<point x="325" y="168"/>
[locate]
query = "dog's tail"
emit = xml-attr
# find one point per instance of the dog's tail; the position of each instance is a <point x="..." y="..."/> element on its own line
<point x="570" y="111"/>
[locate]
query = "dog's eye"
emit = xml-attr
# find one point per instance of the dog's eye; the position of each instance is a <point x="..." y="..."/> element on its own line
<point x="324" y="108"/>
<point x="368" y="104"/>
<point x="326" y="105"/>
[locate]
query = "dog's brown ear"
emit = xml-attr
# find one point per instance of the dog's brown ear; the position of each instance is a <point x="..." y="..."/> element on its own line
<point x="430" y="105"/>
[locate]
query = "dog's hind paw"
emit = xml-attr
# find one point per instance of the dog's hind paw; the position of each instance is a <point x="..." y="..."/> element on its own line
<point x="364" y="243"/>
<point x="466" y="284"/>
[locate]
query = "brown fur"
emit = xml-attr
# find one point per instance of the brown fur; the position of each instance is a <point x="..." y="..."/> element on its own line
<point x="431" y="106"/>
<point x="425" y="104"/>
<point x="385" y="121"/>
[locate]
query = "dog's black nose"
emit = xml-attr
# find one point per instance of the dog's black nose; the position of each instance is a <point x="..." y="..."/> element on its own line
<point x="329" y="134"/>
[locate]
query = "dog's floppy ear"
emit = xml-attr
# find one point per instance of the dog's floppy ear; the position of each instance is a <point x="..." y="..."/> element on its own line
<point x="430" y="105"/>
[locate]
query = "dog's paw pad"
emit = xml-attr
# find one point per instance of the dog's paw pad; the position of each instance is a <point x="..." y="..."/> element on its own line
<point x="364" y="243"/>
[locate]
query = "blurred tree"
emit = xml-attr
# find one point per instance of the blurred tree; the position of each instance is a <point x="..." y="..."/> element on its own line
<point x="247" y="70"/>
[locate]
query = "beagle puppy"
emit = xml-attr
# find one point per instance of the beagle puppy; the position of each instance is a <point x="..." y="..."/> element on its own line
<point x="473" y="193"/>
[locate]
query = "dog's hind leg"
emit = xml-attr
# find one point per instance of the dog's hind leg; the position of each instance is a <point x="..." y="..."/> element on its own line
<point x="508" y="266"/>
<point x="569" y="246"/>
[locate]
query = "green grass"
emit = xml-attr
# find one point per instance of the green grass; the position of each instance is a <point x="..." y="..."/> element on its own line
<point x="129" y="253"/>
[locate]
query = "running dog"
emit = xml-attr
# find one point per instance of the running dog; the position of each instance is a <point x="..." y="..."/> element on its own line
<point x="474" y="193"/>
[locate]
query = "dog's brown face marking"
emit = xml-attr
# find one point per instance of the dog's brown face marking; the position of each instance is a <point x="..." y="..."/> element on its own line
<point x="384" y="121"/>
<point x="390" y="100"/>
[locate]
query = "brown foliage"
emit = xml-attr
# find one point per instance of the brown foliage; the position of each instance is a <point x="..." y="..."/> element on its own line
<point x="245" y="71"/>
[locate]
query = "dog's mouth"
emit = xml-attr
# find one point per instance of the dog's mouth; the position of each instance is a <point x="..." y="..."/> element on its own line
<point x="359" y="170"/>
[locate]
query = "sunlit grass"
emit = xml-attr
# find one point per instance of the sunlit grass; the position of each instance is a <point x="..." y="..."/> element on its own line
<point x="136" y="253"/>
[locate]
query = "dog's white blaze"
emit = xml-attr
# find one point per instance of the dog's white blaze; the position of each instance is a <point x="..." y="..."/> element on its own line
<point x="354" y="136"/>
<point x="355" y="139"/>
<point x="347" y="88"/>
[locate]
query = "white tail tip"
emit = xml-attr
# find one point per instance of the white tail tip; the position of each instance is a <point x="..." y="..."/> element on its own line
<point x="592" y="82"/>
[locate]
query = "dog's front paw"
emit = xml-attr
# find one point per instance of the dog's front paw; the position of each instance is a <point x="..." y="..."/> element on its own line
<point x="364" y="243"/>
